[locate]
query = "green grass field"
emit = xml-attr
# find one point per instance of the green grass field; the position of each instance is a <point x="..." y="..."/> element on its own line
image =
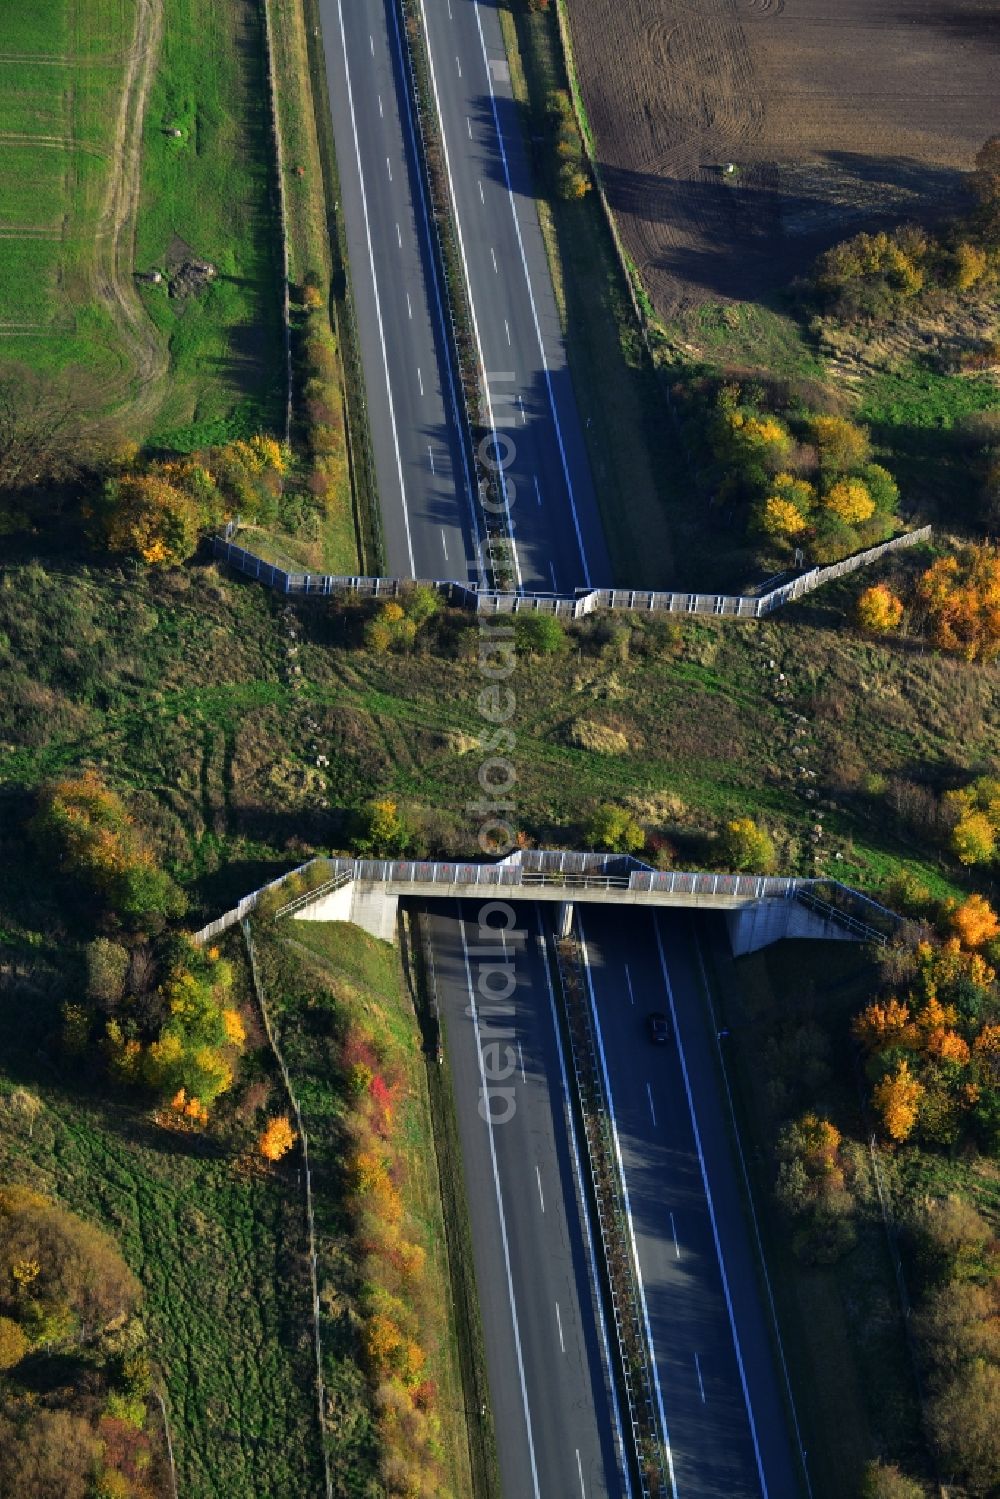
<point x="218" y="1250"/>
<point x="61" y="72"/>
<point x="210" y="366"/>
<point x="210" y="190"/>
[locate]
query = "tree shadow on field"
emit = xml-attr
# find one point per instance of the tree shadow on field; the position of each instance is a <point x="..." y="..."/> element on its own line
<point x="743" y="236"/>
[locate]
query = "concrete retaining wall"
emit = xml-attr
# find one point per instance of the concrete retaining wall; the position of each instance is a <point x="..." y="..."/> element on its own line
<point x="769" y="921"/>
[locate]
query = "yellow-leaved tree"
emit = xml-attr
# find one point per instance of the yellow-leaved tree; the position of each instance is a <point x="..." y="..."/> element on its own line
<point x="878" y="610"/>
<point x="897" y="1098"/>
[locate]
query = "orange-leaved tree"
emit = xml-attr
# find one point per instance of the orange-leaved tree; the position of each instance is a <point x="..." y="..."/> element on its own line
<point x="961" y="597"/>
<point x="277" y="1139"/>
<point x="975" y="922"/>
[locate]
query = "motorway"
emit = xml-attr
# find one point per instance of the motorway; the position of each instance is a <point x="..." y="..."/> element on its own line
<point x="718" y="1383"/>
<point x="546" y="1344"/>
<point x="425" y="488"/>
<point x="429" y="514"/>
<point x="560" y="542"/>
<point x="721" y="1399"/>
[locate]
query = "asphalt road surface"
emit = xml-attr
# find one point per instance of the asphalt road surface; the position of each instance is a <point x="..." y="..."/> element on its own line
<point x="428" y="513"/>
<point x="559" y="539"/>
<point x="546" y="1343"/>
<point x="718" y="1376"/>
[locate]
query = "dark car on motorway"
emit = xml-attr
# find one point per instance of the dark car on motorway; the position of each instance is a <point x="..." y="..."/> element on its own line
<point x="658" y="1027"/>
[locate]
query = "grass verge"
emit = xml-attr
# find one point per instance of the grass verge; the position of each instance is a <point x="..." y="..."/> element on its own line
<point x="320" y="978"/>
<point x="842" y="1325"/>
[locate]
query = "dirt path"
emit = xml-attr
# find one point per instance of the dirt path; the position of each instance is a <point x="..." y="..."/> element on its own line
<point x="114" y="259"/>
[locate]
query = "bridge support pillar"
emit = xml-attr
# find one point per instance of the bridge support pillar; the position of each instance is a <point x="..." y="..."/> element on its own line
<point x="564" y="920"/>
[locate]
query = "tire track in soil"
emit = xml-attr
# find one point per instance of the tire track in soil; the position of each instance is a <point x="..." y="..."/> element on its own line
<point x="115" y="237"/>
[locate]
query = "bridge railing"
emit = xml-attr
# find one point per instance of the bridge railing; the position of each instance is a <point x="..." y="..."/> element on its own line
<point x="559" y="869"/>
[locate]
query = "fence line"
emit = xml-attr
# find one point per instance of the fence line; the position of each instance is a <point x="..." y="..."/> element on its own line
<point x="571" y="606"/>
<point x="310" y="1217"/>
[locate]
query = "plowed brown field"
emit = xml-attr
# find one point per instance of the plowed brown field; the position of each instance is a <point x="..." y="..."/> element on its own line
<point x="836" y="113"/>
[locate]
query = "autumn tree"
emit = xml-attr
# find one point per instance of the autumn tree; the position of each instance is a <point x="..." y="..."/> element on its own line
<point x="878" y="610"/>
<point x="961" y="598"/>
<point x="147" y="515"/>
<point x="897" y="1098"/>
<point x="745" y="845"/>
<point x="975" y="922"/>
<point x="383" y="831"/>
<point x="48" y="1454"/>
<point x="986" y="185"/>
<point x="962" y="1420"/>
<point x="87" y="829"/>
<point x="886" y="1481"/>
<point x="842" y="445"/>
<point x="849" y="501"/>
<point x="277" y="1138"/>
<point x="14" y="1343"/>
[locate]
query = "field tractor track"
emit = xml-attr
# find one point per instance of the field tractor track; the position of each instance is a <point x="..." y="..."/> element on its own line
<point x="115" y="241"/>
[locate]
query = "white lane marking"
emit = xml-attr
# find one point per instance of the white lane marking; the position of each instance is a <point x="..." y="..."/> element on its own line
<point x="568" y="1115"/>
<point x="444" y="544"/>
<point x="753" y="1213"/>
<point x="673" y="1230"/>
<point x="388" y="167"/>
<point x="468" y="280"/>
<point x="579" y="1469"/>
<point x="420" y="380"/>
<point x="493" y="257"/>
<point x="378" y="305"/>
<point x="541" y="1197"/>
<point x="507" y="327"/>
<point x="628" y="1206"/>
<point x="399" y="237"/>
<point x="469" y="125"/>
<point x="450" y="16"/>
<point x="628" y="980"/>
<point x="562" y="1340"/>
<point x="649" y="1095"/>
<point x="371" y="43"/>
<point x="520" y="1062"/>
<point x="409" y="306"/>
<point x="439" y="306"/>
<point x="499" y="1195"/>
<point x="711" y="1212"/>
<point x="538" y="490"/>
<point x="482" y="196"/>
<point x="430" y="456"/>
<point x="520" y="407"/>
<point x="531" y="298"/>
<point x="458" y="64"/>
<point x="381" y="111"/>
<point x="552" y="575"/>
<point x="701" y="1382"/>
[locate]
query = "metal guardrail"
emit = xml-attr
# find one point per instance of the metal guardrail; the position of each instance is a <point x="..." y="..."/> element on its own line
<point x="607" y="1196"/>
<point x="569" y="606"/>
